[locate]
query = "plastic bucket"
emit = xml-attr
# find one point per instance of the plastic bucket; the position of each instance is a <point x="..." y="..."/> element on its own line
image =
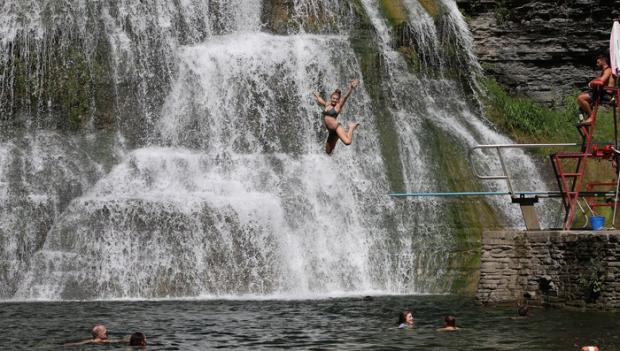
<point x="598" y="222"/>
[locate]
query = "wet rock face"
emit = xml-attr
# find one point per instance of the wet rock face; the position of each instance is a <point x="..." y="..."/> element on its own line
<point x="541" y="49"/>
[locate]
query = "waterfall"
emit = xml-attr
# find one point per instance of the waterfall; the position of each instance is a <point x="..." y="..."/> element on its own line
<point x="443" y="104"/>
<point x="186" y="159"/>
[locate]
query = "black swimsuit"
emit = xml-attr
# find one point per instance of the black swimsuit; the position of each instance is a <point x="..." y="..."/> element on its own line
<point x="331" y="113"/>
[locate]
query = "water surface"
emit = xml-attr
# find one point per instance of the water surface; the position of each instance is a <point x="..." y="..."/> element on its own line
<point x="339" y="323"/>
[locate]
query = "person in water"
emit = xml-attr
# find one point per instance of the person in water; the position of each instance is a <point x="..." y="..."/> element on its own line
<point x="137" y="339"/>
<point x="449" y="324"/>
<point x="606" y="79"/>
<point x="331" y="110"/>
<point x="100" y="336"/>
<point x="522" y="312"/>
<point x="405" y="320"/>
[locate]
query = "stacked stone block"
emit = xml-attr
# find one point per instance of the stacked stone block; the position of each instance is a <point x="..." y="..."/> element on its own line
<point x="577" y="269"/>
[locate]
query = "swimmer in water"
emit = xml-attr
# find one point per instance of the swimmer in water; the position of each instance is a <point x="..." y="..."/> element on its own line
<point x="331" y="110"/>
<point x="522" y="312"/>
<point x="449" y="324"/>
<point x="137" y="339"/>
<point x="100" y="336"/>
<point x="405" y="320"/>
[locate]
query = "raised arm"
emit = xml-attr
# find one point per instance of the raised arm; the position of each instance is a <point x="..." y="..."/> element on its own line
<point x="319" y="99"/>
<point x="352" y="86"/>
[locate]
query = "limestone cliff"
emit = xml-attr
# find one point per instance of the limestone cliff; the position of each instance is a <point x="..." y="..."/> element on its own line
<point x="542" y="49"/>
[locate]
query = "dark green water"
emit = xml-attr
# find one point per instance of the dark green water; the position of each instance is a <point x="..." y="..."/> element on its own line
<point x="340" y="323"/>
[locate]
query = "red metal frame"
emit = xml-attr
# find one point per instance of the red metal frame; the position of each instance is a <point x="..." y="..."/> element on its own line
<point x="607" y="202"/>
<point x="570" y="183"/>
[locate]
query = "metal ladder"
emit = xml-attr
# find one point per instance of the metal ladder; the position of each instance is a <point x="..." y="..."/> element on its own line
<point x="570" y="182"/>
<point x="610" y="152"/>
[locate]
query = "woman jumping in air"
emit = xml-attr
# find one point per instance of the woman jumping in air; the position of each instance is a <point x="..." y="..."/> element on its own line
<point x="331" y="111"/>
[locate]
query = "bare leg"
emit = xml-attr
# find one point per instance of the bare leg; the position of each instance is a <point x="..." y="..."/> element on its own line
<point x="347" y="137"/>
<point x="583" y="100"/>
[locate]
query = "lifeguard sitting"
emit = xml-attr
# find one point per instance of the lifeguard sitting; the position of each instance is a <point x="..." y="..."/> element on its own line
<point x="605" y="79"/>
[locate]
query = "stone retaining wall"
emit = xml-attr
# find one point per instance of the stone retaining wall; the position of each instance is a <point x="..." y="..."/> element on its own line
<point x="577" y="269"/>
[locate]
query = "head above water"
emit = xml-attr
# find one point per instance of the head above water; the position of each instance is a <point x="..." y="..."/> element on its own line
<point x="137" y="339"/>
<point x="99" y="331"/>
<point x="335" y="97"/>
<point x="450" y="321"/>
<point x="523" y="310"/>
<point x="405" y="317"/>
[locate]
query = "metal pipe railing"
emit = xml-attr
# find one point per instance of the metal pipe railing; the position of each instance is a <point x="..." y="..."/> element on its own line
<point x="498" y="147"/>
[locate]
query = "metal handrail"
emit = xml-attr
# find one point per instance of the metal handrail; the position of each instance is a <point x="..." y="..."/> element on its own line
<point x="498" y="147"/>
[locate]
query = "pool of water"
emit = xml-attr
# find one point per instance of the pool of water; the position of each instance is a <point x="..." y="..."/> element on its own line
<point x="332" y="323"/>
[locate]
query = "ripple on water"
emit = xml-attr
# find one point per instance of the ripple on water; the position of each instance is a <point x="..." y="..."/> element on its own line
<point x="343" y="324"/>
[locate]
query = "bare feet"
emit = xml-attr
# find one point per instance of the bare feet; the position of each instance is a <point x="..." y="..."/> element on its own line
<point x="587" y="122"/>
<point x="584" y="124"/>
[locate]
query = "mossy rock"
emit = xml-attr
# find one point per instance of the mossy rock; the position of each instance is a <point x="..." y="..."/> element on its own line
<point x="414" y="63"/>
<point x="277" y="15"/>
<point x="280" y="17"/>
<point x="394" y="11"/>
<point x="364" y="43"/>
<point x="467" y="217"/>
<point x="432" y="7"/>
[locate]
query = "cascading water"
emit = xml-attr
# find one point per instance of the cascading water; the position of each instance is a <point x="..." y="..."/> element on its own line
<point x="442" y="101"/>
<point x="193" y="163"/>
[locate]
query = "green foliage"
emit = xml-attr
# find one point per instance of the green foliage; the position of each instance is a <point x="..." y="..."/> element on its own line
<point x="502" y="13"/>
<point x="529" y="122"/>
<point x="526" y="120"/>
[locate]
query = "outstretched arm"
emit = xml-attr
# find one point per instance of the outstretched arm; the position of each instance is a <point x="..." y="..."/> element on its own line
<point x="352" y="86"/>
<point x="84" y="342"/>
<point x="319" y="99"/>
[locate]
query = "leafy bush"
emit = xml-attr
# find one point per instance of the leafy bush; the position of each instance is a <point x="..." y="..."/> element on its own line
<point x="526" y="120"/>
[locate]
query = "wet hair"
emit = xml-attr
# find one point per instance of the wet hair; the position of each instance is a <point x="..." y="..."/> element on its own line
<point x="402" y="317"/>
<point x="99" y="331"/>
<point x="450" y="321"/>
<point x="336" y="92"/>
<point x="137" y="339"/>
<point x="603" y="57"/>
<point x="522" y="311"/>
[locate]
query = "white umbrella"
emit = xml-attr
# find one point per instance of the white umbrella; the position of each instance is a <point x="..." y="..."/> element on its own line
<point x="614" y="48"/>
